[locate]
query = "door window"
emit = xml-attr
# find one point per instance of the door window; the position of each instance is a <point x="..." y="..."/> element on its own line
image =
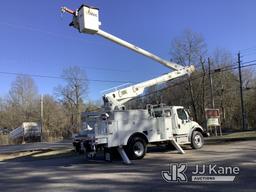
<point x="182" y="114"/>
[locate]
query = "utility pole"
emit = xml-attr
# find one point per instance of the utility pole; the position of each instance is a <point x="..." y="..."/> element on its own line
<point x="241" y="91"/>
<point x="211" y="85"/>
<point x="42" y="114"/>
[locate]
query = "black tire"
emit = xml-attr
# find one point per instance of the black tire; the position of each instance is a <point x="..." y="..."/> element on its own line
<point x="197" y="140"/>
<point x="136" y="148"/>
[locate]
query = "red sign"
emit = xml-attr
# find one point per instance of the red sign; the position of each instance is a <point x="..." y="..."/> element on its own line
<point x="212" y="113"/>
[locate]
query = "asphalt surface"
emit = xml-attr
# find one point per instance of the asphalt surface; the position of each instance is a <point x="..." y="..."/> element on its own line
<point x="34" y="146"/>
<point x="73" y="173"/>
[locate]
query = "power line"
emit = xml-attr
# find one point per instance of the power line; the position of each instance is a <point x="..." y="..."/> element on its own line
<point x="248" y="53"/>
<point x="248" y="61"/>
<point x="225" y="68"/>
<point x="246" y="49"/>
<point x="194" y="78"/>
<point x="58" y="77"/>
<point x="214" y="71"/>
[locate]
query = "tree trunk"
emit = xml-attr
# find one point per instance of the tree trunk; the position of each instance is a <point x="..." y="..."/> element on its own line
<point x="192" y="98"/>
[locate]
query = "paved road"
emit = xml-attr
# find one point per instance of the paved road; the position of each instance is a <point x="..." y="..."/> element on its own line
<point x="75" y="174"/>
<point x="34" y="146"/>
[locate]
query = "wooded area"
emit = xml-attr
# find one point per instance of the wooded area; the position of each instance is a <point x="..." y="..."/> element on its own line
<point x="194" y="92"/>
<point x="62" y="110"/>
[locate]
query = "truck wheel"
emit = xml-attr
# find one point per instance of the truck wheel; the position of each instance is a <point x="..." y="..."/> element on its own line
<point x="136" y="148"/>
<point x="197" y="140"/>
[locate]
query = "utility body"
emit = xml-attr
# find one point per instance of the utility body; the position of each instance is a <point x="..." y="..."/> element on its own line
<point x="129" y="131"/>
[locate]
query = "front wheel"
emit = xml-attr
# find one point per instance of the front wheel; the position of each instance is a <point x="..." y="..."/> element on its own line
<point x="197" y="140"/>
<point x="136" y="148"/>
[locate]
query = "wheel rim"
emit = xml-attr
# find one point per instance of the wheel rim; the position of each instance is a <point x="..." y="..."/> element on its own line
<point x="198" y="140"/>
<point x="138" y="149"/>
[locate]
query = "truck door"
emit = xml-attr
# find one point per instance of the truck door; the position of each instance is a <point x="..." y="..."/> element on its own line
<point x="183" y="122"/>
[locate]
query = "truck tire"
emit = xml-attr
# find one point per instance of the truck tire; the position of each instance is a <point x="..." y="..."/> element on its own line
<point x="136" y="148"/>
<point x="197" y="140"/>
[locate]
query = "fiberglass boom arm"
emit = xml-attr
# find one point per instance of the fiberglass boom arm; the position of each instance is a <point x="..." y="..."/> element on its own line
<point x="86" y="20"/>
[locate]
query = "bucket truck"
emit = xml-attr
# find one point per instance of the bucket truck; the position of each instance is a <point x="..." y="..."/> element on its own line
<point x="130" y="131"/>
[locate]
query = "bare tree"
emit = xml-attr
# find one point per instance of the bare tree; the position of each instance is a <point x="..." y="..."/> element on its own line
<point x="73" y="94"/>
<point x="250" y="104"/>
<point x="189" y="49"/>
<point x="226" y="88"/>
<point x="23" y="100"/>
<point x="92" y="106"/>
<point x="55" y="119"/>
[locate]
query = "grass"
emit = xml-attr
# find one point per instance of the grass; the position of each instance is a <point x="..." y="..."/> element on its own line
<point x="238" y="136"/>
<point x="54" y="154"/>
<point x="10" y="156"/>
<point x="241" y="134"/>
<point x="245" y="134"/>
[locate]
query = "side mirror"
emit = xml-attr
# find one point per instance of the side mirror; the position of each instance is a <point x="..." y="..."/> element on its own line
<point x="191" y="118"/>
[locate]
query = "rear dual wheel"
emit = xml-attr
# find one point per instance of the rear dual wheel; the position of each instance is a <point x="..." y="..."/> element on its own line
<point x="136" y="148"/>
